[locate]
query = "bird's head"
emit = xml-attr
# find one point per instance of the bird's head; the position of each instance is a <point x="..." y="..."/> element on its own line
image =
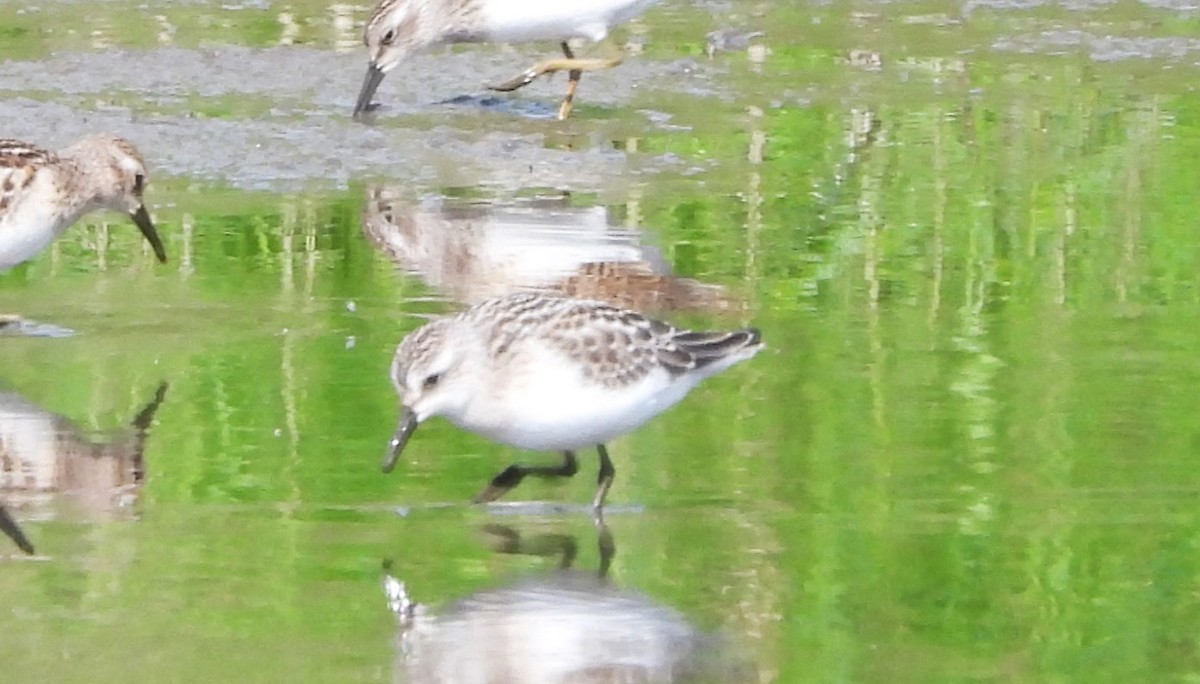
<point x="120" y="176"/>
<point x="396" y="29"/>
<point x="429" y="377"/>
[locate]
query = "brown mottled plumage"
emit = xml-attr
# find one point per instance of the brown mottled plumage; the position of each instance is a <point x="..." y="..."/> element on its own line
<point x="635" y="285"/>
<point x="18" y="163"/>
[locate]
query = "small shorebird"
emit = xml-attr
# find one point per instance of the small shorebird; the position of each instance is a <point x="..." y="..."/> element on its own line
<point x="398" y="28"/>
<point x="43" y="193"/>
<point x="551" y="373"/>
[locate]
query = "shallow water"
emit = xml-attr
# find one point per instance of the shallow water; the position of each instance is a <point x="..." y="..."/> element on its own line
<point x="966" y="231"/>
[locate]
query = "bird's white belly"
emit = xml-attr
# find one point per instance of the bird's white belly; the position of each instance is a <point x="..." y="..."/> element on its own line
<point x="522" y="20"/>
<point x="553" y="415"/>
<point x="23" y="234"/>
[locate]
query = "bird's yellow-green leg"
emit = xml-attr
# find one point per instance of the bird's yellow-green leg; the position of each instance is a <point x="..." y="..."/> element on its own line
<point x="573" y="76"/>
<point x="570" y="63"/>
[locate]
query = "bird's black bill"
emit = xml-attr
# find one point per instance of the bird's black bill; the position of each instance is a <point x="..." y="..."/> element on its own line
<point x="142" y="218"/>
<point x="370" y="82"/>
<point x="407" y="426"/>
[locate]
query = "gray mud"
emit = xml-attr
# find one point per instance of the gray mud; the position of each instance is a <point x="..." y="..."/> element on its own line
<point x="1102" y="48"/>
<point x="437" y="122"/>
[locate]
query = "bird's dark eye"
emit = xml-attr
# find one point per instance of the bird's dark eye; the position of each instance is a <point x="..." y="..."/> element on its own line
<point x="139" y="183"/>
<point x="389" y="37"/>
<point x="432" y="381"/>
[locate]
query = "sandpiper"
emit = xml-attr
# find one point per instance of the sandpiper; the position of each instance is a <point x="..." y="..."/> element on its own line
<point x="43" y="193"/>
<point x="551" y="373"/>
<point x="398" y="28"/>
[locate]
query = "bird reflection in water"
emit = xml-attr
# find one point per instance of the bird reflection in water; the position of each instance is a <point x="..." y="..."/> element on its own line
<point x="45" y="457"/>
<point x="470" y="252"/>
<point x="558" y="627"/>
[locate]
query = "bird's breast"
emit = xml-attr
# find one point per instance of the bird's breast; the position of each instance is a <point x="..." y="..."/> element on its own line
<point x="25" y="232"/>
<point x="33" y="215"/>
<point x="552" y="410"/>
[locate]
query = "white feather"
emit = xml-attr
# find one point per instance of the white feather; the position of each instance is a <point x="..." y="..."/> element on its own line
<point x="522" y="20"/>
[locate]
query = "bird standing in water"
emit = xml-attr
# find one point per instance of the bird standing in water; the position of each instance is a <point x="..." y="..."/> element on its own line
<point x="552" y="373"/>
<point x="398" y="28"/>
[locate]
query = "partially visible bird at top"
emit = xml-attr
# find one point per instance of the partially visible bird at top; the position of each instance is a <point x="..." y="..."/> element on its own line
<point x="399" y="28"/>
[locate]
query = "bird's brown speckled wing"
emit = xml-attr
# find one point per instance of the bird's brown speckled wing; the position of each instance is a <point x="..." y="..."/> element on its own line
<point x="18" y="162"/>
<point x="616" y="347"/>
<point x="14" y="152"/>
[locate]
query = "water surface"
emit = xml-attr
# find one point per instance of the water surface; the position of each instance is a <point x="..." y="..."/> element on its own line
<point x="966" y="230"/>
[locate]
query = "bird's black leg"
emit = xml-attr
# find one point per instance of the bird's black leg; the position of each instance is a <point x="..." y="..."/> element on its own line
<point x="605" y="477"/>
<point x="511" y="477"/>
